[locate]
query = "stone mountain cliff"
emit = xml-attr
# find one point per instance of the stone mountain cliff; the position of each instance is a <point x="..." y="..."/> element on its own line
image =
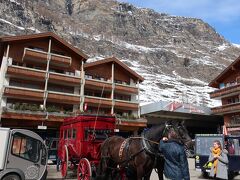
<point x="177" y="56"/>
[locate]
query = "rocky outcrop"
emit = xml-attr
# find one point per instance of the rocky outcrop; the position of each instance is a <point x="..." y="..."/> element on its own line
<point x="177" y="56"/>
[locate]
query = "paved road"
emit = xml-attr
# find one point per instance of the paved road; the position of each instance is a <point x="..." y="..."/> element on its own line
<point x="53" y="174"/>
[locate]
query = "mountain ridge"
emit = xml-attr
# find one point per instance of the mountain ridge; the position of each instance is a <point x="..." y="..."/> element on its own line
<point x="176" y="55"/>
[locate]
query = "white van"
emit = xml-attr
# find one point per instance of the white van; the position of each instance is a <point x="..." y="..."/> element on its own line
<point x="23" y="155"/>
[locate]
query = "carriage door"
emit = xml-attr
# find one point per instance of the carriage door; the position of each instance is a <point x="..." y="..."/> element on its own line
<point x="25" y="154"/>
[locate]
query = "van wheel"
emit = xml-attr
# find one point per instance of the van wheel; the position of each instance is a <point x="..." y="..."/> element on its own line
<point x="11" y="177"/>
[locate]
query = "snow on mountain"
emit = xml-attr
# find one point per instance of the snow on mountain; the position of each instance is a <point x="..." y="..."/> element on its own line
<point x="177" y="56"/>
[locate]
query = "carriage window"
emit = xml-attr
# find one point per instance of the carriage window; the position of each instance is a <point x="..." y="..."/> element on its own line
<point x="65" y="133"/>
<point x="26" y="147"/>
<point x="74" y="133"/>
<point x="69" y="133"/>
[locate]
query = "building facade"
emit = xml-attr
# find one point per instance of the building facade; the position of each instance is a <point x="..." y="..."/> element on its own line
<point x="227" y="86"/>
<point x="45" y="79"/>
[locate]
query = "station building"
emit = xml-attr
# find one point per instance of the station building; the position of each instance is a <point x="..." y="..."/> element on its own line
<point x="197" y="119"/>
<point x="45" y="79"/>
<point x="227" y="86"/>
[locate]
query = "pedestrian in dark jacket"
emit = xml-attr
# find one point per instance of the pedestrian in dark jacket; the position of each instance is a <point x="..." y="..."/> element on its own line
<point x="219" y="160"/>
<point x="176" y="164"/>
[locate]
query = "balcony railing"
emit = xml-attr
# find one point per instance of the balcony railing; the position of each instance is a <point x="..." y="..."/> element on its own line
<point x="41" y="57"/>
<point x="60" y="60"/>
<point x="64" y="98"/>
<point x="135" y="123"/>
<point x="126" y="89"/>
<point x="26" y="73"/>
<point x="225" y="109"/>
<point x="64" y="79"/>
<point x="98" y="101"/>
<point x="120" y="104"/>
<point x="23" y="93"/>
<point x="228" y="91"/>
<point x="94" y="83"/>
<point x="34" y="55"/>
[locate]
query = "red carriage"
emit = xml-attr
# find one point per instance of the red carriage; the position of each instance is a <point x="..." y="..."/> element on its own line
<point x="80" y="141"/>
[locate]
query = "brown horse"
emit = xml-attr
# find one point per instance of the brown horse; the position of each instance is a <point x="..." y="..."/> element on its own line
<point x="135" y="156"/>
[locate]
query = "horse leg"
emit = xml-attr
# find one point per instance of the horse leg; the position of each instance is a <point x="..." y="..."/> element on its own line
<point x="140" y="171"/>
<point x="147" y="177"/>
<point x="160" y="173"/>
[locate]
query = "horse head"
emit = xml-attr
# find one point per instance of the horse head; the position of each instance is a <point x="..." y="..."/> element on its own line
<point x="183" y="134"/>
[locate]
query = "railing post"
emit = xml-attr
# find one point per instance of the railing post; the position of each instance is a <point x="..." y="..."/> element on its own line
<point x="82" y="85"/>
<point x="113" y="87"/>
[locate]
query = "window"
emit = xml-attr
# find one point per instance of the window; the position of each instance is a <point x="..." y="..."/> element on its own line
<point x="233" y="146"/>
<point x="26" y="147"/>
<point x="74" y="133"/>
<point x="44" y="156"/>
<point x="65" y="133"/>
<point x="69" y="134"/>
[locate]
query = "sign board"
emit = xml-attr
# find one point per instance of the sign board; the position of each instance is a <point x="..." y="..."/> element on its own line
<point x="42" y="127"/>
<point x="116" y="130"/>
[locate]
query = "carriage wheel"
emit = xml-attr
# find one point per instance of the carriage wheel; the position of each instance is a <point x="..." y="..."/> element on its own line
<point x="84" y="170"/>
<point x="64" y="163"/>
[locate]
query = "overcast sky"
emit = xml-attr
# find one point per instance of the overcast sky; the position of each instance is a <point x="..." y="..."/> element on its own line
<point x="223" y="15"/>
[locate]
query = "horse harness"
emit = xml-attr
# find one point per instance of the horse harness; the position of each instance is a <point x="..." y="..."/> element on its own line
<point x="125" y="146"/>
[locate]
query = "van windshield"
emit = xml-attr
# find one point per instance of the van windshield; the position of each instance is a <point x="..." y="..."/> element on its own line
<point x="203" y="144"/>
<point x="26" y="147"/>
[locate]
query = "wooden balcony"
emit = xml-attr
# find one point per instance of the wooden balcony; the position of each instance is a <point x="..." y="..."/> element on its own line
<point x="39" y="56"/>
<point x="119" y="104"/>
<point x="33" y="116"/>
<point x="26" y="73"/>
<point x="126" y="89"/>
<point x="60" y="60"/>
<point x="97" y="84"/>
<point x="226" y="109"/>
<point x="64" y="79"/>
<point x="23" y="93"/>
<point x="95" y="101"/>
<point x="63" y="98"/>
<point x="225" y="92"/>
<point x="137" y="123"/>
<point x="34" y="55"/>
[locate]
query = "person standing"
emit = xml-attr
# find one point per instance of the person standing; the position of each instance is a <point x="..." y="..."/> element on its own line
<point x="219" y="160"/>
<point x="176" y="164"/>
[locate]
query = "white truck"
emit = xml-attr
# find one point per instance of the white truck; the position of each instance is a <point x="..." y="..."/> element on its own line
<point x="23" y="155"/>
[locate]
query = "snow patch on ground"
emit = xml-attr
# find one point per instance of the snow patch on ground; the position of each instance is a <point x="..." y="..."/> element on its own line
<point x="19" y="27"/>
<point x="236" y="45"/>
<point x="222" y="47"/>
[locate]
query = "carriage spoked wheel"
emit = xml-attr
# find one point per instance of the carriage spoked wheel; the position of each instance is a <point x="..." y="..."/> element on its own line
<point x="64" y="163"/>
<point x="84" y="171"/>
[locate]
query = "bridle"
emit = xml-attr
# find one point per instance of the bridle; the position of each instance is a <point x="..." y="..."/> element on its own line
<point x="148" y="144"/>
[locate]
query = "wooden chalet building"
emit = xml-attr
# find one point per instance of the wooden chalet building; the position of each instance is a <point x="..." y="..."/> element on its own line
<point x="45" y="79"/>
<point x="228" y="91"/>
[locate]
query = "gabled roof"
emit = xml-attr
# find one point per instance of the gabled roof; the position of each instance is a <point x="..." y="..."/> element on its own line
<point x="115" y="60"/>
<point x="229" y="69"/>
<point x="40" y="36"/>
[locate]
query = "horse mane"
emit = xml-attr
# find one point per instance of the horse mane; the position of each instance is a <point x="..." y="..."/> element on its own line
<point x="155" y="132"/>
